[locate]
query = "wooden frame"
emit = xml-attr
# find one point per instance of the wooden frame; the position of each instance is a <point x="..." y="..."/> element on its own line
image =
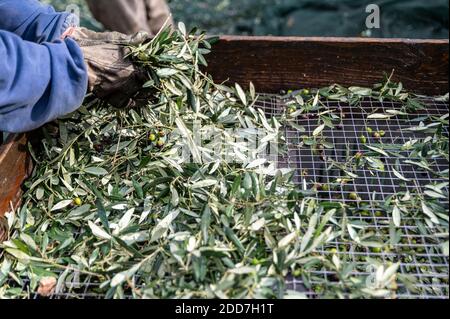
<point x="15" y="167"/>
<point x="282" y="63"/>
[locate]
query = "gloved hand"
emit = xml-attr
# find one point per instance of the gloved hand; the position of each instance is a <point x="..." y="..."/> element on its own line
<point x="112" y="77"/>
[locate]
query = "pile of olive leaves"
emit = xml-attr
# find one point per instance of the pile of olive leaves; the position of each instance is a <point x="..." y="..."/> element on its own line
<point x="135" y="217"/>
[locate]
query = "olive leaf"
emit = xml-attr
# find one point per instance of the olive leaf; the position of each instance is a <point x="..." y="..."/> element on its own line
<point x="319" y="130"/>
<point x="98" y="171"/>
<point x="97" y="231"/>
<point x="396" y="216"/>
<point x="62" y="204"/>
<point x="241" y="94"/>
<point x="163" y="226"/>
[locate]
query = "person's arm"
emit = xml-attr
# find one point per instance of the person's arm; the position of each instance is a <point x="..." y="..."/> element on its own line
<point x="33" y="21"/>
<point x="38" y="83"/>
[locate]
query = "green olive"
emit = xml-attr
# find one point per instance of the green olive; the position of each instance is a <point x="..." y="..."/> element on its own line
<point x="292" y="110"/>
<point x="160" y="143"/>
<point x="297" y="273"/>
<point x="363" y="139"/>
<point x="318" y="290"/>
<point x="255" y="262"/>
<point x="376" y="250"/>
<point x="77" y="201"/>
<point x="353" y="196"/>
<point x="143" y="57"/>
<point x="152" y="137"/>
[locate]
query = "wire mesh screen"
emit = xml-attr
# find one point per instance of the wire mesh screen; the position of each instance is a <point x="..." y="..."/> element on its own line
<point x="420" y="253"/>
<point x="419" y="249"/>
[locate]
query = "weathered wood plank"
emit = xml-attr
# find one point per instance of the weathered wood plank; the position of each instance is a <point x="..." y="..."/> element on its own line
<point x="15" y="165"/>
<point x="274" y="63"/>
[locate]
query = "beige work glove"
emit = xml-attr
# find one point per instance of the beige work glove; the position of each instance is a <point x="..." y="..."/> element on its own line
<point x="112" y="77"/>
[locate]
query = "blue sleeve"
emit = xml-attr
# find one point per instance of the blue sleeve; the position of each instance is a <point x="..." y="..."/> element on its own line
<point x="38" y="82"/>
<point x="33" y="21"/>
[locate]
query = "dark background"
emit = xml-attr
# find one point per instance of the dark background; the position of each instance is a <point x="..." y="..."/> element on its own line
<point x="399" y="18"/>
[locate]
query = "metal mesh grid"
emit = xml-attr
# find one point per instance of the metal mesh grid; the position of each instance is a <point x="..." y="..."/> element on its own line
<point x="420" y="255"/>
